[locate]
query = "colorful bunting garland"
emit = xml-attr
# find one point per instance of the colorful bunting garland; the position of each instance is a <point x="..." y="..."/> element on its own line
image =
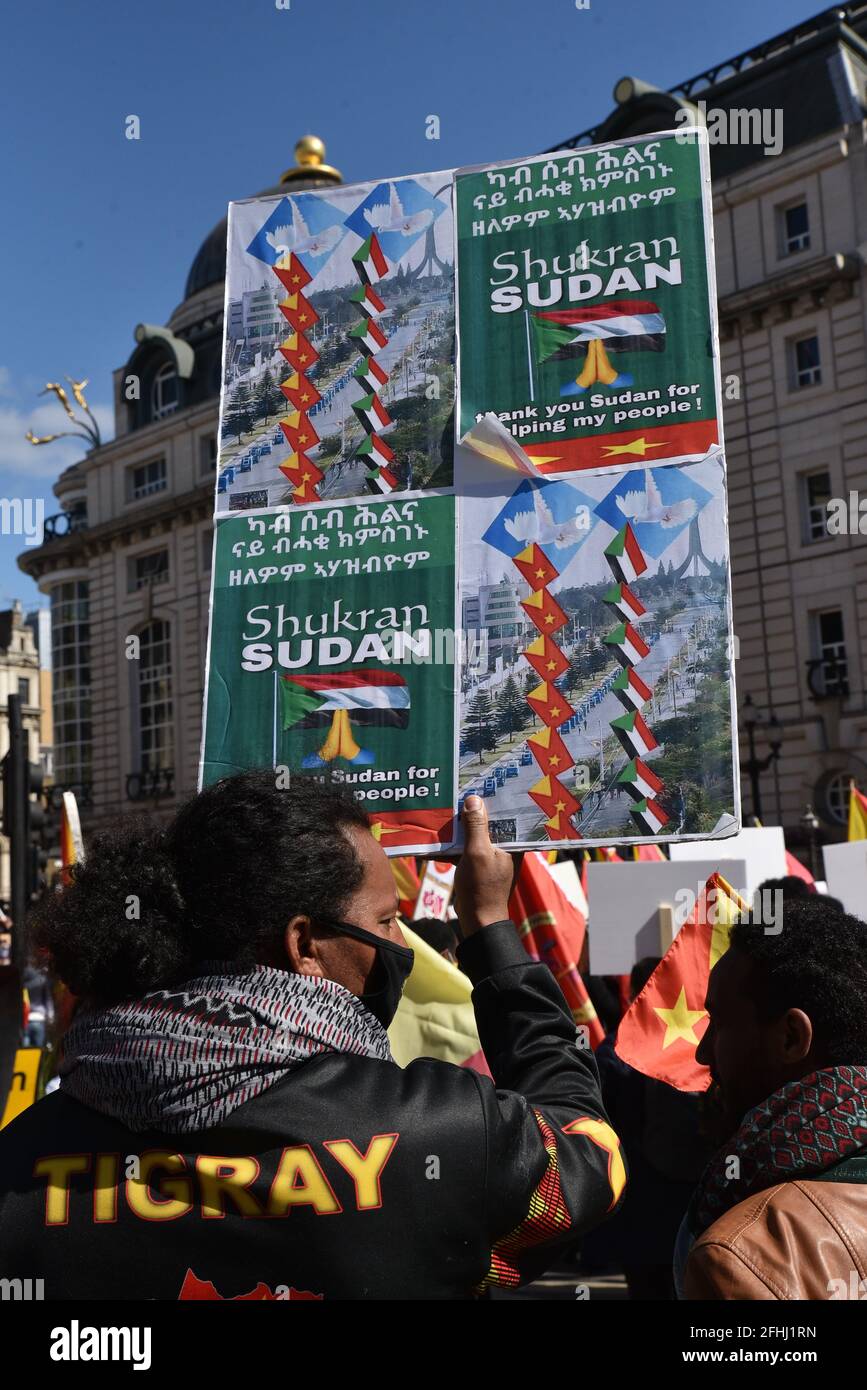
<point x="299" y="391"/>
<point x="557" y="803"/>
<point x="626" y="643"/>
<point x="370" y="266"/>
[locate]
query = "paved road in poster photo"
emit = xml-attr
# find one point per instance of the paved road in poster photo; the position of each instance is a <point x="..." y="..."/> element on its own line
<point x="348" y="480"/>
<point x="511" y="800"/>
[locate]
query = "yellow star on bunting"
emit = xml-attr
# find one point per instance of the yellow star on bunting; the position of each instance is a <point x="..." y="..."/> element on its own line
<point x="635" y="446"/>
<point x="379" y="828"/>
<point x="680" y="1021"/>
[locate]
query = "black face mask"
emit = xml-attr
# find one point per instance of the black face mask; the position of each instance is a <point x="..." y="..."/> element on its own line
<point x="395" y="963"/>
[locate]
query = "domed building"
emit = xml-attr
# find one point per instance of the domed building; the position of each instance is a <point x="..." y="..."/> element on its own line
<point x="126" y="561"/>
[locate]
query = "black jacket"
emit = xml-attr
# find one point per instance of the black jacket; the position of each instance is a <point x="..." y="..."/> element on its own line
<point x="349" y="1178"/>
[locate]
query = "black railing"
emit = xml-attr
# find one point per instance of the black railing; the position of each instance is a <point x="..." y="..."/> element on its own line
<point x="705" y="81"/>
<point x="83" y="791"/>
<point x="64" y="524"/>
<point x="152" y="785"/>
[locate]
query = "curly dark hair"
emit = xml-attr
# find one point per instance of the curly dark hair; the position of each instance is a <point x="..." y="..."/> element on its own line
<point x="220" y="883"/>
<point x="817" y="962"/>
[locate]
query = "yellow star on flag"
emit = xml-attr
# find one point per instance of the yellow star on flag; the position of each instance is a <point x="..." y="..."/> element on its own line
<point x="680" y="1021"/>
<point x="635" y="446"/>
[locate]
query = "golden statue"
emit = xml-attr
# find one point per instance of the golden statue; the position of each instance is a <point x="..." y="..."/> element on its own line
<point x="87" y="429"/>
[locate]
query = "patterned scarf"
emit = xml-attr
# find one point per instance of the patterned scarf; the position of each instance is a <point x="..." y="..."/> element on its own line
<point x="183" y="1059"/>
<point x="800" y="1131"/>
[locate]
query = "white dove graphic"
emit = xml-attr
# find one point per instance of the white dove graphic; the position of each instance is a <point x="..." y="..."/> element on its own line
<point x="647" y="507"/>
<point x="298" y="237"/>
<point x="539" y="525"/>
<point x="390" y="216"/>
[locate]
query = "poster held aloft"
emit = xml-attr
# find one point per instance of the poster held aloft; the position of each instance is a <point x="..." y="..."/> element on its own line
<point x="539" y="613"/>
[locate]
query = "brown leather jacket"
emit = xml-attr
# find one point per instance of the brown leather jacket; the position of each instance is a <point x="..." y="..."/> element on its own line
<point x="798" y="1240"/>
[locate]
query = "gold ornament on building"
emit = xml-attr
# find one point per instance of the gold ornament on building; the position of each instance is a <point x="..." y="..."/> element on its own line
<point x="87" y="429"/>
<point x="311" y="166"/>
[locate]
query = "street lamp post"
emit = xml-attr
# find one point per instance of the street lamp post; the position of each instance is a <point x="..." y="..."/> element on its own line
<point x="810" y="822"/>
<point x="755" y="765"/>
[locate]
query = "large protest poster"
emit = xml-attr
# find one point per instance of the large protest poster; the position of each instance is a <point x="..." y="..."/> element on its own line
<point x="338" y="368"/>
<point x="401" y="614"/>
<point x="594" y="567"/>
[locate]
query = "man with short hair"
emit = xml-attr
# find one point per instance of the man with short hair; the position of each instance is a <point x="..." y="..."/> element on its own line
<point x="781" y="1211"/>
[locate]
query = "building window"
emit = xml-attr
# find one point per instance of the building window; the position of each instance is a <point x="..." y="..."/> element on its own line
<point x="24" y="689"/>
<point x="815" y="496"/>
<point x="830" y="651"/>
<point x="208" y="453"/>
<point x="207" y="548"/>
<point x="70" y="657"/>
<point x="147" y="479"/>
<point x="796" y="229"/>
<point x="164" y="392"/>
<point x="145" y="570"/>
<point x="155" y="728"/>
<point x="837" y="797"/>
<point x="807" y="370"/>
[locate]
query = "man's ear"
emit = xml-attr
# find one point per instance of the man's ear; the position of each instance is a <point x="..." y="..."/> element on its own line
<point x="796" y="1036"/>
<point x="301" y="947"/>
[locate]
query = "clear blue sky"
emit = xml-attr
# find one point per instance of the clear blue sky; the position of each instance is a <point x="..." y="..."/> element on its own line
<point x="99" y="231"/>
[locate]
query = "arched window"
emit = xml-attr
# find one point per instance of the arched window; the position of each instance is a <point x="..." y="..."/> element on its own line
<point x="164" y="392"/>
<point x="155" y="723"/>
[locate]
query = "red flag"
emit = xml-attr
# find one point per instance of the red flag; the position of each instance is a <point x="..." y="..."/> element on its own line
<point x="301" y="392"/>
<point x="297" y="312"/>
<point x="546" y="658"/>
<point x="560" y="827"/>
<point x="550" y="752"/>
<point x="649" y="854"/>
<point x="535" y="566"/>
<point x="291" y="272"/>
<point x="299" y="470"/>
<point x="544" y="612"/>
<point x="552" y="928"/>
<point x="298" y="352"/>
<point x="407" y="882"/>
<point x="797" y="870"/>
<point x="662" y="1029"/>
<point x="300" y="434"/>
<point x="553" y="798"/>
<point x="550" y="704"/>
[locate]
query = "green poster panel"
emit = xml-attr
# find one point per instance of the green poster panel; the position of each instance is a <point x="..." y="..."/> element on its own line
<point x="586" y="318"/>
<point x="332" y="655"/>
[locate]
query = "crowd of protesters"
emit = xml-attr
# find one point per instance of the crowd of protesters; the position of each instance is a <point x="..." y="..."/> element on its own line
<point x="227" y="1067"/>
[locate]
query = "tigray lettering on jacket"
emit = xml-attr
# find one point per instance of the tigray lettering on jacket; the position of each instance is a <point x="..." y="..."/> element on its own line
<point x="167" y="1185"/>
